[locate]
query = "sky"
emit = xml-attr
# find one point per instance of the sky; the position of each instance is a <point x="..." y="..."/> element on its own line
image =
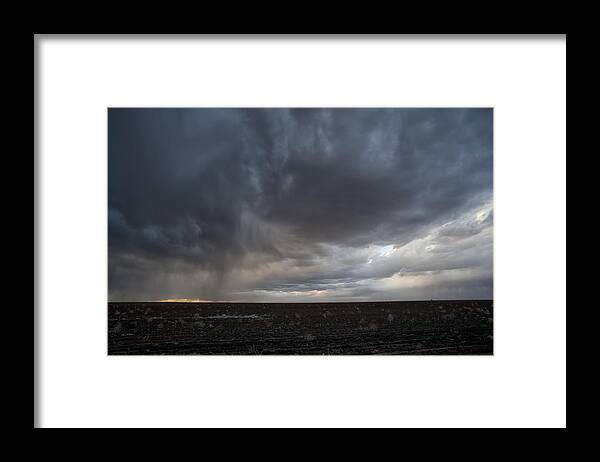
<point x="300" y="205"/>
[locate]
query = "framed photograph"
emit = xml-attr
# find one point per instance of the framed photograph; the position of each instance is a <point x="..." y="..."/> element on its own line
<point x="300" y="231"/>
<point x="228" y="223"/>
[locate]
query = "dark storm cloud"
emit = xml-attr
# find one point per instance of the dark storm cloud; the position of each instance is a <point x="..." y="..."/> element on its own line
<point x="226" y="203"/>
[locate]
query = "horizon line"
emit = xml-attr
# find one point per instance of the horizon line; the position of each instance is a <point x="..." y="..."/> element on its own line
<point x="304" y="303"/>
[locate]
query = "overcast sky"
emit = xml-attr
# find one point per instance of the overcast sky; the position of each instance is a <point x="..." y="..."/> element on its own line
<point x="300" y="204"/>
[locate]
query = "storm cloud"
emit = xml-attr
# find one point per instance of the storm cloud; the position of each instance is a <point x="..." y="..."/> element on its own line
<point x="299" y="204"/>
